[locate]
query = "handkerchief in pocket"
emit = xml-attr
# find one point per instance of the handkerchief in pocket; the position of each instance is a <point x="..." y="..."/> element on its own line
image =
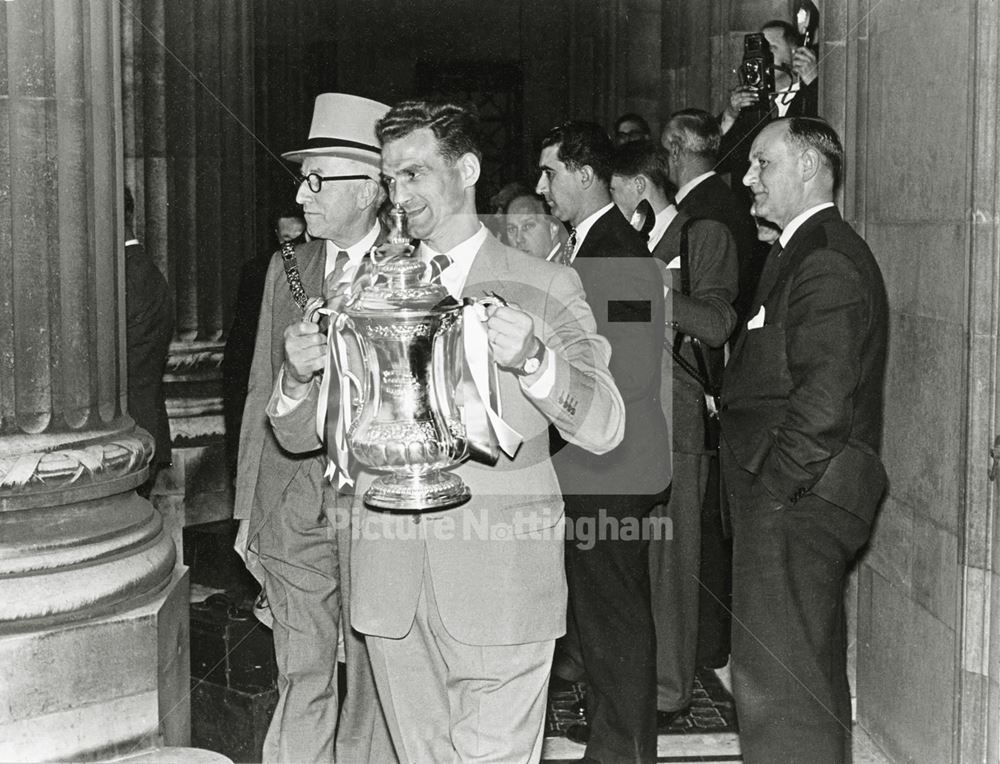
<point x="757" y="321"/>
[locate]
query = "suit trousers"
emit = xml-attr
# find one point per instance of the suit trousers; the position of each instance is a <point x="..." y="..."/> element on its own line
<point x="362" y="732"/>
<point x="446" y="701"/>
<point x="299" y="556"/>
<point x="674" y="568"/>
<point x="609" y="609"/>
<point x="790" y="564"/>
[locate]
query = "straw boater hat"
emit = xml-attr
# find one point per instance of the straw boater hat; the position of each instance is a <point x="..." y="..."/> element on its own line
<point x="343" y="125"/>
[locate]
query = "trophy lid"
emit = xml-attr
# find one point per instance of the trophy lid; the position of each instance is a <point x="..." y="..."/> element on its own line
<point x="401" y="283"/>
<point x="401" y="286"/>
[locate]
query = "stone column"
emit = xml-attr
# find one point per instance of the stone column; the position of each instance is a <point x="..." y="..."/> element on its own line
<point x="93" y="620"/>
<point x="188" y="103"/>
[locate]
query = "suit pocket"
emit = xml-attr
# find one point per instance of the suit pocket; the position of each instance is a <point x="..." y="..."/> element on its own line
<point x="761" y="369"/>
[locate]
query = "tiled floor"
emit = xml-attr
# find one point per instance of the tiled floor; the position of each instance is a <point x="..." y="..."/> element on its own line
<point x="708" y="748"/>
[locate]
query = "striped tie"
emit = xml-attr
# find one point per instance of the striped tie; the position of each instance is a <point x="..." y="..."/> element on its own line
<point x="335" y="276"/>
<point x="438" y="265"/>
<point x="567" y="253"/>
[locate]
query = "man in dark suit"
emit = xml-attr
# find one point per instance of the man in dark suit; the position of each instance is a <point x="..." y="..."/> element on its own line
<point x="801" y="426"/>
<point x="149" y="328"/>
<point x="609" y="604"/>
<point x="698" y="263"/>
<point x="691" y="140"/>
<point x="295" y="530"/>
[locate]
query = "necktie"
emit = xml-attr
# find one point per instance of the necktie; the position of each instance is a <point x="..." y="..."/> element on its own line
<point x="769" y="274"/>
<point x="335" y="276"/>
<point x="437" y="266"/>
<point x="567" y="253"/>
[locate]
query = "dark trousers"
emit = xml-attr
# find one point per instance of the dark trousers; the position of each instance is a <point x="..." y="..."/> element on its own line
<point x="609" y="611"/>
<point x="715" y="578"/>
<point x="789" y="672"/>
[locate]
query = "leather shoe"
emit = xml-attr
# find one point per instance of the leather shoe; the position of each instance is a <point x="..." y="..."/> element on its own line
<point x="578" y="733"/>
<point x="665" y="718"/>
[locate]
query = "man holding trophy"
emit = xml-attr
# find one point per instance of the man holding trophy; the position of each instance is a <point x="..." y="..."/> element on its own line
<point x="462" y="605"/>
<point x="293" y="533"/>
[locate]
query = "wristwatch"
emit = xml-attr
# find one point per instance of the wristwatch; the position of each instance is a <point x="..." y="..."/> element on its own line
<point x="533" y="362"/>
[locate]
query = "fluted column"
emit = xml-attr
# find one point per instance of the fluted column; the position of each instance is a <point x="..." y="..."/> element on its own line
<point x="188" y="92"/>
<point x="89" y="593"/>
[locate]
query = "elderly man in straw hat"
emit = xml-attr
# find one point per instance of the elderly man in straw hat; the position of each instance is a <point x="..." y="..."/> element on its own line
<point x="295" y="528"/>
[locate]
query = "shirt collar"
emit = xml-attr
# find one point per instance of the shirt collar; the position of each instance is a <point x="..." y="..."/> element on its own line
<point x="554" y="252"/>
<point x="689" y="186"/>
<point x="663" y="220"/>
<point x="796" y="222"/>
<point x="462" y="256"/>
<point x="355" y="253"/>
<point x="585" y="225"/>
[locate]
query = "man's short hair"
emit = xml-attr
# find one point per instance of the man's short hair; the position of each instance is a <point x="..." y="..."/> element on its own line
<point x="634" y="159"/>
<point x="582" y="144"/>
<point x="700" y="132"/>
<point x="632" y="117"/>
<point x="789" y="32"/>
<point x="455" y="127"/>
<point x="815" y="133"/>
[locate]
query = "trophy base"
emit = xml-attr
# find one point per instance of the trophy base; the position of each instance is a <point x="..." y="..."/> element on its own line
<point x="433" y="490"/>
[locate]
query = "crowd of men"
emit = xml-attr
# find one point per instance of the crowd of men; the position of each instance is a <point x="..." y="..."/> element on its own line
<point x="629" y="273"/>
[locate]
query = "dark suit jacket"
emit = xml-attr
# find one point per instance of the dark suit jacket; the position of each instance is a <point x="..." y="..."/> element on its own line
<point x="624" y="290"/>
<point x="706" y="314"/>
<point x="149" y="329"/>
<point x="802" y="397"/>
<point x="712" y="199"/>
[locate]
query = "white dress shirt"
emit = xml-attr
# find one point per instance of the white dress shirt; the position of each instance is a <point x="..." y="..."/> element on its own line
<point x="795" y="223"/>
<point x="585" y="225"/>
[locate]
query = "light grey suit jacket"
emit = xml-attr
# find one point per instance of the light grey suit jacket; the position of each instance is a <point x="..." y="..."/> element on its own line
<point x="497" y="561"/>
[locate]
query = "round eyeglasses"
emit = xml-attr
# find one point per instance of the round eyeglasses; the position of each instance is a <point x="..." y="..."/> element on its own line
<point x="315" y="181"/>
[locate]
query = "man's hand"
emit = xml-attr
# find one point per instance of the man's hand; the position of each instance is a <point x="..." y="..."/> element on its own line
<point x="804" y="65"/>
<point x="511" y="334"/>
<point x="740" y="97"/>
<point x="305" y="347"/>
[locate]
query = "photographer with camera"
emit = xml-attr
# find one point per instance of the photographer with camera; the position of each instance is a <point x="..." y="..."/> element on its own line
<point x="778" y="78"/>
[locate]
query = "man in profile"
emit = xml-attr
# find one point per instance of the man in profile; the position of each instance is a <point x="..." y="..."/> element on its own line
<point x="801" y="425"/>
<point x="295" y="527"/>
<point x="609" y="595"/>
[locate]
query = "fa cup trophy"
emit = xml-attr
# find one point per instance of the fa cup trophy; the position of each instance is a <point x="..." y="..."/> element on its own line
<point x="409" y="423"/>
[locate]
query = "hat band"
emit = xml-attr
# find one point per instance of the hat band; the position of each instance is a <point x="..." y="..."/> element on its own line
<point x="332" y="143"/>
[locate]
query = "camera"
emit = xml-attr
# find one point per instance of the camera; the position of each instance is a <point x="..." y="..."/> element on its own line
<point x="757" y="69"/>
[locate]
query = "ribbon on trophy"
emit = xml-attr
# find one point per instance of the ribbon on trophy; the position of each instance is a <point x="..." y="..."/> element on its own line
<point x="485" y="428"/>
<point x="335" y="365"/>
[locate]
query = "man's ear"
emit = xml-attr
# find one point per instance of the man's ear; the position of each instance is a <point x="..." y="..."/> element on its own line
<point x="810" y="164"/>
<point x="370" y="193"/>
<point x="641" y="184"/>
<point x="468" y="165"/>
<point x="587" y="175"/>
